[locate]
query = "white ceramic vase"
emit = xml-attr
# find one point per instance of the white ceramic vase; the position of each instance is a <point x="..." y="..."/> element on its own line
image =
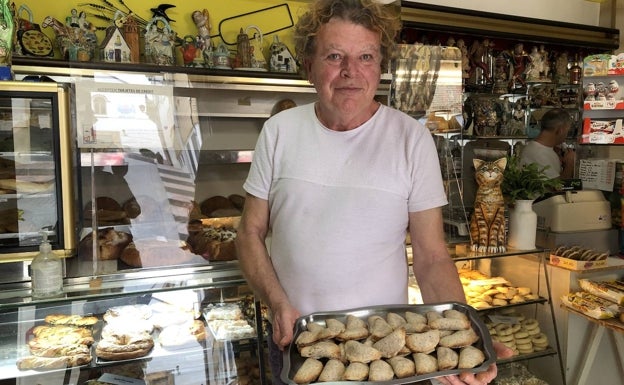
<point x="522" y="225"/>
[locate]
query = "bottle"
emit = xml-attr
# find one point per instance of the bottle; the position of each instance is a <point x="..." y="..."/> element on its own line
<point x="575" y="72"/>
<point x="46" y="271"/>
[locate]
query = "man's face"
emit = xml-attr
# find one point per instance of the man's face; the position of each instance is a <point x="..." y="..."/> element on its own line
<point x="346" y="67"/>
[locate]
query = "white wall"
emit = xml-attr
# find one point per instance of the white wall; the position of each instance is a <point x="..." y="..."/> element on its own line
<point x="570" y="11"/>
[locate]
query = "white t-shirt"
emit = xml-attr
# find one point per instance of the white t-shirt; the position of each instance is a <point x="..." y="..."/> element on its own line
<point x="535" y="152"/>
<point x="339" y="203"/>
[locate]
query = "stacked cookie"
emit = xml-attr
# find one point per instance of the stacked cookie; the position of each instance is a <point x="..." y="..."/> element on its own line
<point x="524" y="336"/>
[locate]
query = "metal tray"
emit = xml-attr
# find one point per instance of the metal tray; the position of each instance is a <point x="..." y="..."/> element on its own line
<point x="293" y="360"/>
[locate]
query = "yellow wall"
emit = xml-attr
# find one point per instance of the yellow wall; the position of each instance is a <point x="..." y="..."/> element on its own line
<point x="220" y="12"/>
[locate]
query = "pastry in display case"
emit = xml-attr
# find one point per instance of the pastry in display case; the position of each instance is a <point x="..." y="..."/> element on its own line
<point x="36" y="169"/>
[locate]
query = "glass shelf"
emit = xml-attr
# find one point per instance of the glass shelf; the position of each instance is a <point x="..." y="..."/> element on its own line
<point x="145" y="281"/>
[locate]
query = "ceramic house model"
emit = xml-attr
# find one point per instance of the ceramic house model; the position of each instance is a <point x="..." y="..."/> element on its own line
<point x="114" y="48"/>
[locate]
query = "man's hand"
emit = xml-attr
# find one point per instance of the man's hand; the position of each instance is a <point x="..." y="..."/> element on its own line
<point x="284" y="318"/>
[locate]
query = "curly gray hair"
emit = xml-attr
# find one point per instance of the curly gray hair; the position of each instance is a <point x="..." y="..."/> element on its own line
<point x="367" y="13"/>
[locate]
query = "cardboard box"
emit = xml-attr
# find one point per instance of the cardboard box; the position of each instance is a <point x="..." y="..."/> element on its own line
<point x="573" y="264"/>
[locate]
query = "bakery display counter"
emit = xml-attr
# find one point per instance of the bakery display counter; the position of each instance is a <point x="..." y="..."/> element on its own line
<point x="193" y="325"/>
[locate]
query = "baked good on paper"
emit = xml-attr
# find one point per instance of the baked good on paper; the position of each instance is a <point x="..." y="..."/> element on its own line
<point x="69" y="319"/>
<point x="62" y="334"/>
<point x="46" y="363"/>
<point x="110" y="244"/>
<point x="128" y="312"/>
<point x="124" y="346"/>
<point x="182" y="336"/>
<point x="213" y="238"/>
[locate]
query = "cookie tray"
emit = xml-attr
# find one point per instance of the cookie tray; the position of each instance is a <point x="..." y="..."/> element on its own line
<point x="293" y="360"/>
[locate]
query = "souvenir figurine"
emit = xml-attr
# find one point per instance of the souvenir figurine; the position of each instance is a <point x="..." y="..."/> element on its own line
<point x="561" y="68"/>
<point x="190" y="52"/>
<point x="519" y="61"/>
<point x="534" y="69"/>
<point x="243" y="51"/>
<point x="114" y="47"/>
<point x="159" y="42"/>
<point x="130" y="30"/>
<point x="203" y="42"/>
<point x="281" y="58"/>
<point x="464" y="59"/>
<point x="258" y="61"/>
<point x="221" y="57"/>
<point x="480" y="58"/>
<point x="75" y="40"/>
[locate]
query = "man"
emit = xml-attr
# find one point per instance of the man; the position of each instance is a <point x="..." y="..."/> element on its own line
<point x="545" y="149"/>
<point x="338" y="182"/>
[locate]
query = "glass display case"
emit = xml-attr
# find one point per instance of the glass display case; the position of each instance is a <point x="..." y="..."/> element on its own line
<point x="36" y="169"/>
<point x="161" y="160"/>
<point x="174" y="328"/>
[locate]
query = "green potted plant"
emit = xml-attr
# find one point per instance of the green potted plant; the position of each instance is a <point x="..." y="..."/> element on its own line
<point x="521" y="185"/>
<point x="526" y="182"/>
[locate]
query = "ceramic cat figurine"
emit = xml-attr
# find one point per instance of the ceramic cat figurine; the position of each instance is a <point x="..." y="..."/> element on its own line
<point x="487" y="224"/>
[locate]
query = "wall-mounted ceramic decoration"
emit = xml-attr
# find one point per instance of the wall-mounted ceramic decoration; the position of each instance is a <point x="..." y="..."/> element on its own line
<point x="30" y="40"/>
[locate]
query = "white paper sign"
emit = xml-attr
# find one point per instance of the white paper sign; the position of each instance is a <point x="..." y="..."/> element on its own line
<point x="597" y="173"/>
<point x="125" y="116"/>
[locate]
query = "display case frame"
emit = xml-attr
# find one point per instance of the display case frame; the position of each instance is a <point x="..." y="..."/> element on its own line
<point x="60" y="157"/>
